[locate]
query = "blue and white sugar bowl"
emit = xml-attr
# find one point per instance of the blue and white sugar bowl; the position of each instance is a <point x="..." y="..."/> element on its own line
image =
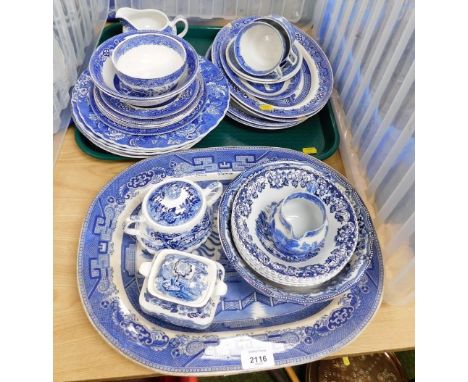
<point x="152" y="63"/>
<point x="299" y="225"/>
<point x="175" y="213"/>
<point x="182" y="288"/>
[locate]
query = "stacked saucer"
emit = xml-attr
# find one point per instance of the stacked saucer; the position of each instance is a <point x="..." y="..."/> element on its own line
<point x="278" y="75"/>
<point x="294" y="231"/>
<point x="147" y="93"/>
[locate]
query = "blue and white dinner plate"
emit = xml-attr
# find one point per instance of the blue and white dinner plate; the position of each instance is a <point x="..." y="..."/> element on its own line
<point x="171" y="107"/>
<point x="264" y="186"/>
<point x="300" y="104"/>
<point x="246" y="320"/>
<point x="104" y="76"/>
<point x="210" y="115"/>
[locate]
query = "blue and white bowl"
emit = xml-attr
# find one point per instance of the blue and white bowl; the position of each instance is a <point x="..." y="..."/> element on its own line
<point x="175" y="213"/>
<point x="182" y="288"/>
<point x="152" y="62"/>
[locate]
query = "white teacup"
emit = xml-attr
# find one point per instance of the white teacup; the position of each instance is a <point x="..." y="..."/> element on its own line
<point x="175" y="213"/>
<point x="259" y="49"/>
<point x="149" y="20"/>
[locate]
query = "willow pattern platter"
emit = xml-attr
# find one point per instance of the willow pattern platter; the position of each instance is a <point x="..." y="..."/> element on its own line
<point x="246" y="320"/>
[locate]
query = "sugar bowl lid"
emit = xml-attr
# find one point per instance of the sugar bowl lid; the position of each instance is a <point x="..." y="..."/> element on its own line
<point x="180" y="277"/>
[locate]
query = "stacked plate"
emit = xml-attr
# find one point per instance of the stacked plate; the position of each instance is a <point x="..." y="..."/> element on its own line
<point x="295" y="231"/>
<point x="145" y="117"/>
<point x="272" y="86"/>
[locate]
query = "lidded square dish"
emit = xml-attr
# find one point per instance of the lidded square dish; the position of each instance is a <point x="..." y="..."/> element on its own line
<point x="182" y="288"/>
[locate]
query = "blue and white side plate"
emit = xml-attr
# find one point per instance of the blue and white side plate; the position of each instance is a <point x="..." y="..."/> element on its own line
<point x="262" y="188"/>
<point x="212" y="112"/>
<point x="306" y="101"/>
<point x="245" y="320"/>
<point x="104" y="76"/>
<point x="164" y="110"/>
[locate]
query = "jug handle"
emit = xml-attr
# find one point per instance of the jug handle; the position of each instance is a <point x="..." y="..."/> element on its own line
<point x="182" y="20"/>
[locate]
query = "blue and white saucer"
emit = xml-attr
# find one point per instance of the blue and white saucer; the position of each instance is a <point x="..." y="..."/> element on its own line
<point x="245" y="320"/>
<point x="104" y="76"/>
<point x="307" y="101"/>
<point x="261" y="187"/>
<point x="164" y="110"/>
<point x="212" y="112"/>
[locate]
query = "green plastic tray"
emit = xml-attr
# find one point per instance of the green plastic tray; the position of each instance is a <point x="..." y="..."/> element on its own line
<point x="319" y="132"/>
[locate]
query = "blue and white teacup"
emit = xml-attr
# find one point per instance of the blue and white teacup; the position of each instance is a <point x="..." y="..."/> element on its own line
<point x="149" y="20"/>
<point x="286" y="29"/>
<point x="259" y="49"/>
<point x="299" y="224"/>
<point x="175" y="213"/>
<point x="150" y="62"/>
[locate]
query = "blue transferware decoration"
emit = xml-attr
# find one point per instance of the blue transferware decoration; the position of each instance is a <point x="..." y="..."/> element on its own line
<point x="147" y="126"/>
<point x="92" y="126"/>
<point x="182" y="289"/>
<point x="149" y="20"/>
<point x="287" y="31"/>
<point x="259" y="49"/>
<point x="325" y="291"/>
<point x="109" y="283"/>
<point x="263" y="186"/>
<point x="318" y="64"/>
<point x="150" y="62"/>
<point x="299" y="226"/>
<point x="104" y="76"/>
<point x="242" y="117"/>
<point x="171" y="107"/>
<point x="176" y="213"/>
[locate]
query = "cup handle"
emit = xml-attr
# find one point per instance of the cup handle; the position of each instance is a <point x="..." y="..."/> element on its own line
<point x="182" y="20"/>
<point x="292" y="58"/>
<point x="278" y="72"/>
<point x="133" y="231"/>
<point x="145" y="268"/>
<point x="212" y="192"/>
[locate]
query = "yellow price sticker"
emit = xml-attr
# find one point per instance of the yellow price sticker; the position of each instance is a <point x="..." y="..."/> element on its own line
<point x="346" y="361"/>
<point x="309" y="150"/>
<point x="265" y="106"/>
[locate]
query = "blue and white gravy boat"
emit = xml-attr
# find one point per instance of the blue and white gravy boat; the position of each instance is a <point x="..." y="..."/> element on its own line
<point x="149" y="20"/>
<point x="299" y="224"/>
<point x="182" y="288"/>
<point x="175" y="213"/>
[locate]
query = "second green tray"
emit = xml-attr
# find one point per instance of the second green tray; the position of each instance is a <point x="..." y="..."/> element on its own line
<point x="319" y="132"/>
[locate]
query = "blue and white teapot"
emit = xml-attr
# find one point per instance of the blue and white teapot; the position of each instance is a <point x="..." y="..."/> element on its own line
<point x="149" y="20"/>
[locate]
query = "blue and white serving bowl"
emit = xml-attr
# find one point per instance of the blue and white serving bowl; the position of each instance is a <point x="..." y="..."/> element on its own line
<point x="182" y="288"/>
<point x="150" y="62"/>
<point x="175" y="213"/>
